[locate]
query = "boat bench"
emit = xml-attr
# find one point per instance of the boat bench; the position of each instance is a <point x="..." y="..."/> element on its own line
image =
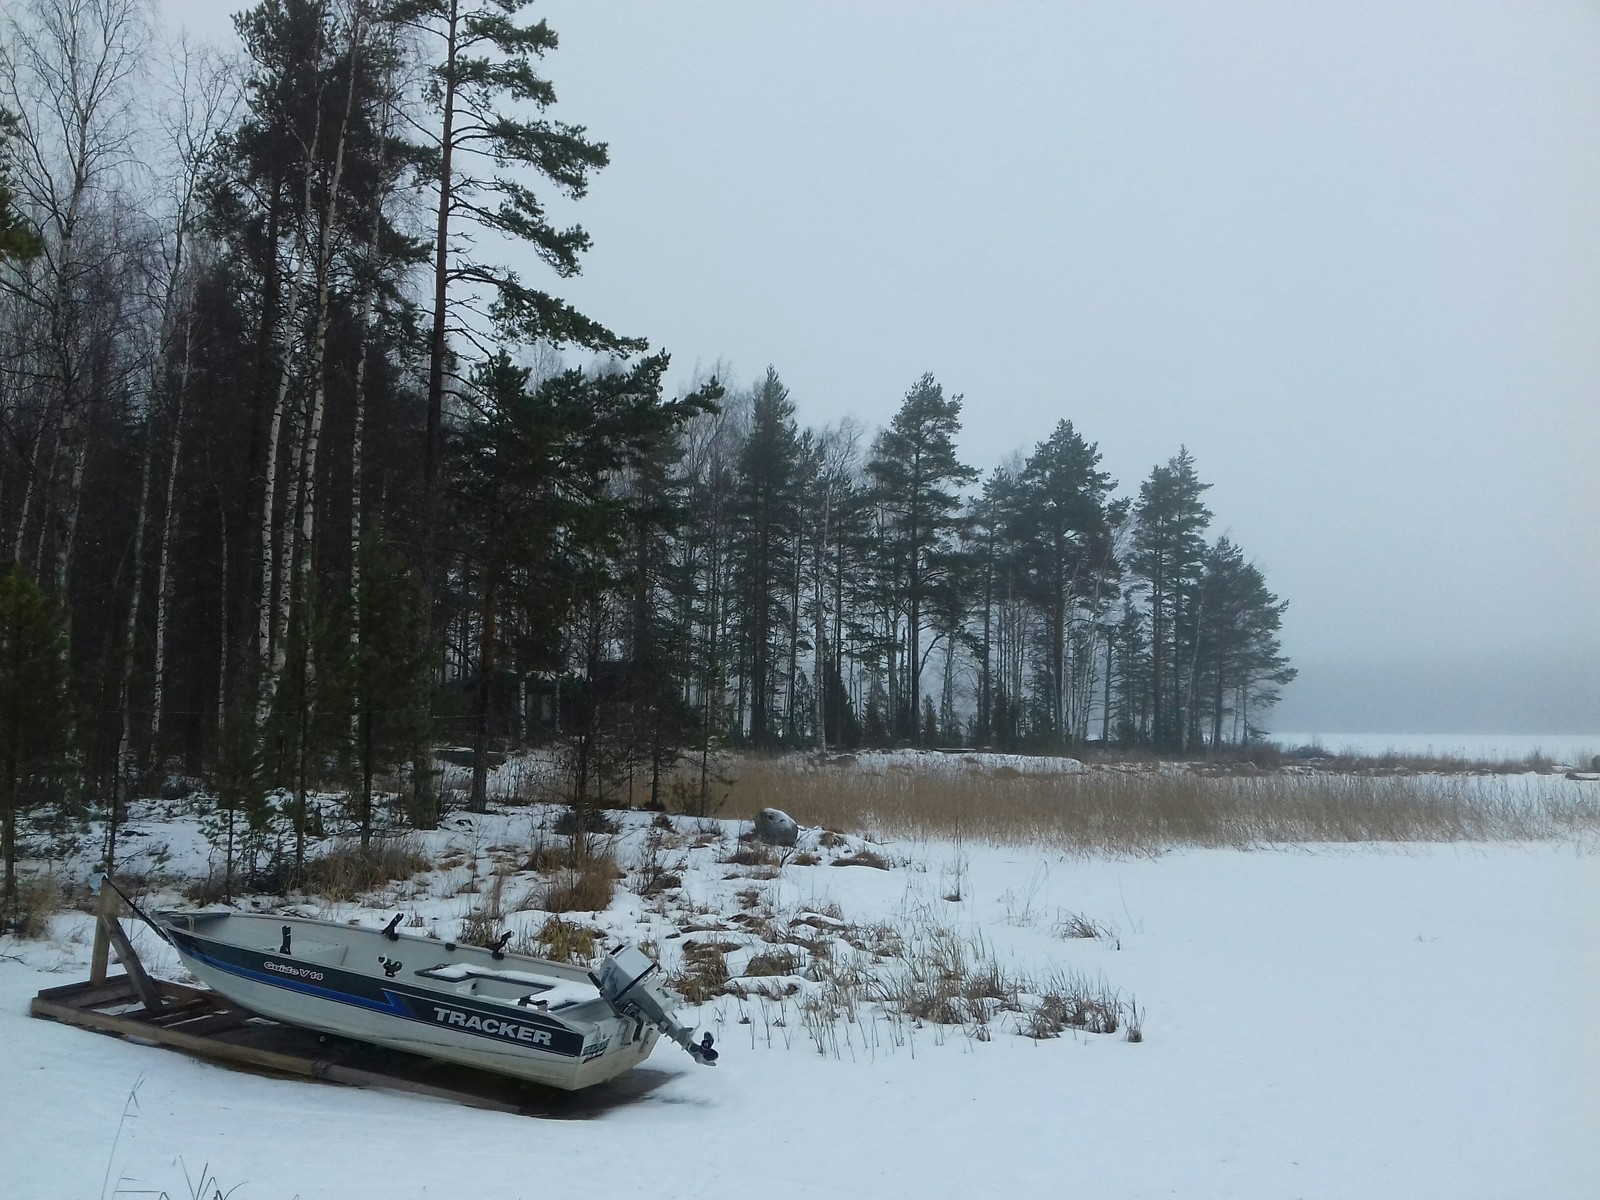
<point x="326" y="953"/>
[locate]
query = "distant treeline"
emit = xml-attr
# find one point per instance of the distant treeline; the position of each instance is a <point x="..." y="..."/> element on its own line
<point x="295" y="482"/>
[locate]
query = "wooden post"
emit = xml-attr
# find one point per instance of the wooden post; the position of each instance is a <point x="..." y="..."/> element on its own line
<point x="129" y="958"/>
<point x="109" y="909"/>
<point x="108" y="932"/>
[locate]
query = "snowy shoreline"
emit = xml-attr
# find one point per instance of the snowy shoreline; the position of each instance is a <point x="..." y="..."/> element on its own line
<point x="1313" y="1019"/>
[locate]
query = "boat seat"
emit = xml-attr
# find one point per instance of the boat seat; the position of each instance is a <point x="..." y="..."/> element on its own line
<point x="326" y="953"/>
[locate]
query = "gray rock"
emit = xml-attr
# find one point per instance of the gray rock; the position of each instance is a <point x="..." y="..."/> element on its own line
<point x="776" y="827"/>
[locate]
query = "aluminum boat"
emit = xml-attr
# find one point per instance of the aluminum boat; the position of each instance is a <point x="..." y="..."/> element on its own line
<point x="531" y="1018"/>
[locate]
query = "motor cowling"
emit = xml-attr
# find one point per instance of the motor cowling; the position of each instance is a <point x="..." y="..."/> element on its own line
<point x="630" y="981"/>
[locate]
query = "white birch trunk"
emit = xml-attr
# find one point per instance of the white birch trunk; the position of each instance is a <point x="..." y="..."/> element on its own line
<point x="313" y="438"/>
<point x="267" y="649"/>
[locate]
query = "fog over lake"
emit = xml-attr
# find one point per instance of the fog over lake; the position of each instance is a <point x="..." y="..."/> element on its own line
<point x="1349" y="255"/>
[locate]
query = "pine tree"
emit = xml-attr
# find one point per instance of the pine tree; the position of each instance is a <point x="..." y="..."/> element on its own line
<point x="768" y="516"/>
<point x="1168" y="548"/>
<point x="1241" y="661"/>
<point x="915" y="472"/>
<point x="541" y="525"/>
<point x="482" y="74"/>
<point x="1062" y="519"/>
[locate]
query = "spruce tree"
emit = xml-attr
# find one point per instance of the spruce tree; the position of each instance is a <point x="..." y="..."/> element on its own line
<point x="390" y="672"/>
<point x="18" y="242"/>
<point x="34" y="723"/>
<point x="237" y="782"/>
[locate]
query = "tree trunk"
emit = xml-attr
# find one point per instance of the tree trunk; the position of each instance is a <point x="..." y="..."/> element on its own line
<point x="319" y="354"/>
<point x="268" y="632"/>
<point x="479" y="800"/>
<point x="434" y="449"/>
<point x="358" y="433"/>
<point x="168" y="521"/>
<point x="366" y="778"/>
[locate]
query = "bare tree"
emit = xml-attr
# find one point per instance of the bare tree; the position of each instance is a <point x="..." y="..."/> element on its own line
<point x="202" y="94"/>
<point x="67" y="71"/>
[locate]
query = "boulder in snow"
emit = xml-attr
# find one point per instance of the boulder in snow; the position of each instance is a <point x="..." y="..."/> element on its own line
<point x="776" y="827"/>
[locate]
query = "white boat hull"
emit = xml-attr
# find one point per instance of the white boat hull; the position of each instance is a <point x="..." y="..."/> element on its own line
<point x="524" y="1017"/>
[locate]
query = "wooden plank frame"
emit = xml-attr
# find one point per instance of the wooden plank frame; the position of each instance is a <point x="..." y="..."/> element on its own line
<point x="202" y="1023"/>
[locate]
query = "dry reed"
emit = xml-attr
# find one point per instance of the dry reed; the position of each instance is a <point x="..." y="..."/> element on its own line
<point x="1143" y="811"/>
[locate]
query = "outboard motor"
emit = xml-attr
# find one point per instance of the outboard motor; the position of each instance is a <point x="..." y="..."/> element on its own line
<point x="629" y="980"/>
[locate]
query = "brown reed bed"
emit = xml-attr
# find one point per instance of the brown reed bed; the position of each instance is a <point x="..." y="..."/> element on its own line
<point x="1151" y="810"/>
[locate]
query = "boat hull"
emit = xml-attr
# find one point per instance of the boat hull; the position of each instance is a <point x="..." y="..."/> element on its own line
<point x="320" y="984"/>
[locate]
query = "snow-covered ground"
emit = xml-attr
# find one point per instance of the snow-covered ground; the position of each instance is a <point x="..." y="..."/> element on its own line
<point x="1317" y="1022"/>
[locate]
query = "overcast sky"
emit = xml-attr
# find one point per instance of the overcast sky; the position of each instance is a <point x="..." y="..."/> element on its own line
<point x="1349" y="254"/>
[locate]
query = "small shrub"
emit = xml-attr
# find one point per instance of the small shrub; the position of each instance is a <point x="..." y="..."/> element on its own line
<point x="584" y="820"/>
<point x="806" y="859"/>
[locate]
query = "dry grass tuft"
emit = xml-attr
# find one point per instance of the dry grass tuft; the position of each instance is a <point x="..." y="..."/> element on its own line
<point x="863" y="858"/>
<point x="565" y="941"/>
<point x="484" y="925"/>
<point x="544" y="857"/>
<point x="587" y="886"/>
<point x="1076" y="925"/>
<point x="38" y="898"/>
<point x="704" y="971"/>
<point x="773" y="964"/>
<point x="1070" y="1001"/>
<point x="750" y="854"/>
<point x="947" y="979"/>
<point x="347" y="871"/>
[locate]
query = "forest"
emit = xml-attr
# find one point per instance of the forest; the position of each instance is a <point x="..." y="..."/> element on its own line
<point x="305" y="477"/>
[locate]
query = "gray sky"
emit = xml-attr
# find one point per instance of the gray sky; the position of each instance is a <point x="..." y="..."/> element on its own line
<point x="1348" y="254"/>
